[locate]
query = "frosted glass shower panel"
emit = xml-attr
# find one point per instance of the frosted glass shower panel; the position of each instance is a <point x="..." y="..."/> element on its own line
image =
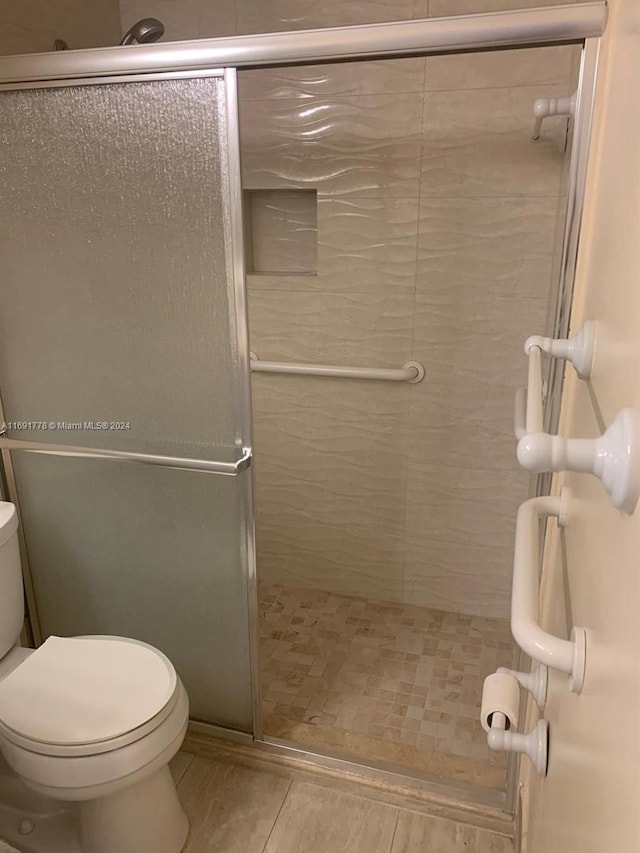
<point x="114" y="244"/>
<point x="151" y="553"/>
<point x="117" y="307"/>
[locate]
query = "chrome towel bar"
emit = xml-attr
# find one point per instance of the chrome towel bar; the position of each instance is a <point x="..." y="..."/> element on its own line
<point x="411" y="372"/>
<point x="229" y="469"/>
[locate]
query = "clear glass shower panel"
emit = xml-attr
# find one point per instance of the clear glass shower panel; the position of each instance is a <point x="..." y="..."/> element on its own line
<point x="115" y="305"/>
<point x="438" y="237"/>
<point x="151" y="553"/>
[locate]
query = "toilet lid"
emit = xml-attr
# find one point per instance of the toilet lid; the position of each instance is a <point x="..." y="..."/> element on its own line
<point x="74" y="690"/>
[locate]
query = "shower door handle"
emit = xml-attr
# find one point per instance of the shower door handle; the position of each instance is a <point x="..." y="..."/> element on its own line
<point x="208" y="466"/>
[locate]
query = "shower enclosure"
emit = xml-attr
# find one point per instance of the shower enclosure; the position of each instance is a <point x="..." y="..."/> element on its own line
<point x="128" y="238"/>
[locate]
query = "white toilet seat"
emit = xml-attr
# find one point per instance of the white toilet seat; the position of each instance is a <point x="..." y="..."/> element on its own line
<point x="88" y="777"/>
<point x="72" y="699"/>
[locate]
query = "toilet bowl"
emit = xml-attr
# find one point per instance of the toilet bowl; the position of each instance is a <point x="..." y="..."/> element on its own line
<point x="95" y="721"/>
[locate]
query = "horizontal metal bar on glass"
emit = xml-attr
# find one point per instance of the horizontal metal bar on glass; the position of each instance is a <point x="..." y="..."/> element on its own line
<point x="411" y="372"/>
<point x="538" y="26"/>
<point x="229" y="469"/>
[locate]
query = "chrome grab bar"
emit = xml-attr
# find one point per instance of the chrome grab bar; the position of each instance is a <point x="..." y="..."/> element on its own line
<point x="229" y="469"/>
<point x="411" y="372"/>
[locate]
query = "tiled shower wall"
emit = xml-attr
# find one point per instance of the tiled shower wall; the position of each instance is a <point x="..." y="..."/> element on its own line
<point x="31" y="26"/>
<point x="436" y="218"/>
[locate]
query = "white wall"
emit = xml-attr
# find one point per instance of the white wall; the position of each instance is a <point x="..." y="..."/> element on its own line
<point x="590" y="801"/>
<point x="31" y="26"/>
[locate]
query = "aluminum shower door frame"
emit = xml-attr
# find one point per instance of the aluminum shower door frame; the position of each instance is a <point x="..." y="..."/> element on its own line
<point x="240" y="467"/>
<point x="490" y="31"/>
<point x="581" y="23"/>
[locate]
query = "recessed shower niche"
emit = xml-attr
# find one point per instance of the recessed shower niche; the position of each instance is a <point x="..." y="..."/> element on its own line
<point x="281" y="232"/>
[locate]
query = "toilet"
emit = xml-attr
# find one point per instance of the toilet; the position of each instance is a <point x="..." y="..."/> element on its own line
<point x="92" y="721"/>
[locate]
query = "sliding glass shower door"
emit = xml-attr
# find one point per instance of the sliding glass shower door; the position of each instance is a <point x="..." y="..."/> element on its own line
<point x="122" y="329"/>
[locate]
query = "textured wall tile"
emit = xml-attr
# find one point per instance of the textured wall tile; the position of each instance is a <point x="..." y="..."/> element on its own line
<point x="16" y="38"/>
<point x="360" y="427"/>
<point x="492" y="246"/>
<point x="288" y="281"/>
<point x="184" y="19"/>
<point x="368" y="145"/>
<point x="477" y="143"/>
<point x="473" y="347"/>
<point x="364" y="245"/>
<point x="535" y="66"/>
<point x="483" y="286"/>
<point x="180" y="18"/>
<point x="459" y="546"/>
<point x="370" y="243"/>
<point x="256" y="17"/>
<point x="351" y="559"/>
<point x="31" y="26"/>
<point x="341" y="79"/>
<point x="330" y="482"/>
<point x="442" y="581"/>
<point x="464" y="482"/>
<point x="470" y="416"/>
<point x="421" y="9"/>
<point x="469" y="429"/>
<point x="217" y="18"/>
<point x="468" y="371"/>
<point x="368" y="330"/>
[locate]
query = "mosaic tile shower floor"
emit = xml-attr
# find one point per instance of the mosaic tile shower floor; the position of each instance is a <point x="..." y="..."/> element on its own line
<point x="376" y="680"/>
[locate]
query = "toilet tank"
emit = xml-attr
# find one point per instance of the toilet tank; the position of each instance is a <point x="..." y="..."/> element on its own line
<point x="11" y="591"/>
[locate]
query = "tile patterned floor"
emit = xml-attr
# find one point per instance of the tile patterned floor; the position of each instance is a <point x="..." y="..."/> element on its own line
<point x="236" y="809"/>
<point x="392" y="682"/>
